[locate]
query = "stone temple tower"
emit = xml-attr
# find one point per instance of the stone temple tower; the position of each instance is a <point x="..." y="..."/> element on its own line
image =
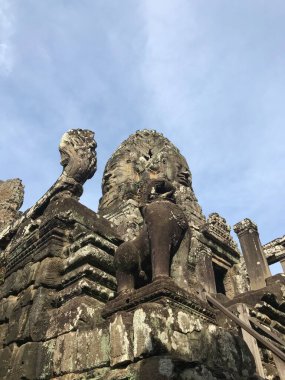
<point x="146" y="288"/>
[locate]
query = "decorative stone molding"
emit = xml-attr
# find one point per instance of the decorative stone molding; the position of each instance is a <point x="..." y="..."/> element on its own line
<point x="275" y="250"/>
<point x="78" y="155"/>
<point x="146" y="155"/>
<point x="218" y="229"/>
<point x="244" y="226"/>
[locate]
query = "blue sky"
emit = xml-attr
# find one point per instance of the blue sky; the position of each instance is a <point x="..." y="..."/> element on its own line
<point x="209" y="75"/>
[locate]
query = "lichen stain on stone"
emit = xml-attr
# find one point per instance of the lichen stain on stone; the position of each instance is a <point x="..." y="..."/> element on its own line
<point x="73" y="324"/>
<point x="121" y="342"/>
<point x="163" y="338"/>
<point x="170" y="319"/>
<point x="212" y="329"/>
<point x="142" y="334"/>
<point x="188" y="324"/>
<point x="91" y="311"/>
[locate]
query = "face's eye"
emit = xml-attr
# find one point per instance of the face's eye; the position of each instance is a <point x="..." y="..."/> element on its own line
<point x="164" y="161"/>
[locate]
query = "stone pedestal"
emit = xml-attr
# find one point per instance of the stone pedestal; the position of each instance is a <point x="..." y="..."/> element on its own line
<point x="256" y="264"/>
<point x="165" y="332"/>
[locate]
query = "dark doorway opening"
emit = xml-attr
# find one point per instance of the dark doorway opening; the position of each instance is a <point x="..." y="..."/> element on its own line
<point x="220" y="274"/>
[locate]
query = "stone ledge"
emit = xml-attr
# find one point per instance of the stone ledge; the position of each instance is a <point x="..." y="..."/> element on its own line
<point x="161" y="289"/>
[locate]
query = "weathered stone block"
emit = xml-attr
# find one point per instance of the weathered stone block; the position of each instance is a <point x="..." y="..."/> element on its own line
<point x="87" y="270"/>
<point x="39" y="318"/>
<point x="121" y="339"/>
<point x="19" y="280"/>
<point x="164" y="329"/>
<point x="77" y="313"/>
<point x="49" y="273"/>
<point x="45" y="360"/>
<point x="221" y="351"/>
<point x="19" y="325"/>
<point x="7" y="306"/>
<point x="84" y="286"/>
<point x="65" y="354"/>
<point x="146" y="339"/>
<point x="81" y="351"/>
<point x="27" y="296"/>
<point x="97" y="346"/>
<point x="89" y="253"/>
<point x="24" y="362"/>
<point x="5" y="360"/>
<point x="3" y="333"/>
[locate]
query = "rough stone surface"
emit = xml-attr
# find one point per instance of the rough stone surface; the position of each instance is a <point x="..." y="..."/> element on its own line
<point x="144" y="155"/>
<point x="150" y="254"/>
<point x="275" y="250"/>
<point x="256" y="263"/>
<point x="11" y="199"/>
<point x="61" y="315"/>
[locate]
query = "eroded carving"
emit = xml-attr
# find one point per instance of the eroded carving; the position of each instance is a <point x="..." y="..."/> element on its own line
<point x="144" y="155"/>
<point x="78" y="158"/>
<point x="78" y="155"/>
<point x="149" y="254"/>
<point x="217" y="228"/>
<point x="275" y="250"/>
<point x="245" y="225"/>
<point x="11" y="199"/>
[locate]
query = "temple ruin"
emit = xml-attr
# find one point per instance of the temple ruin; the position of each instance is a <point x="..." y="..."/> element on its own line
<point x="147" y="288"/>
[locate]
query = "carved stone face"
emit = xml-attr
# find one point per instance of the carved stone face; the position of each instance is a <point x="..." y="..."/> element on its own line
<point x="174" y="167"/>
<point x="146" y="155"/>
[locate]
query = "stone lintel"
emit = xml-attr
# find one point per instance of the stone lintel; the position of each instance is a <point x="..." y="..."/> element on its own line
<point x="221" y="250"/>
<point x="161" y="290"/>
<point x="275" y="251"/>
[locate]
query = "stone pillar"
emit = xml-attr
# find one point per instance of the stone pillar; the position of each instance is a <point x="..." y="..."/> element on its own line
<point x="282" y="262"/>
<point x="255" y="260"/>
<point x="204" y="269"/>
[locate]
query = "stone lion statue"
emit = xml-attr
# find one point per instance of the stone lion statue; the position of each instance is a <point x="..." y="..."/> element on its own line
<point x="148" y="256"/>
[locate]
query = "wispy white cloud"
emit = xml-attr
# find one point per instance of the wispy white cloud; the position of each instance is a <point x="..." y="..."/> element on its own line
<point x="207" y="74"/>
<point x="215" y="77"/>
<point x="7" y="25"/>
